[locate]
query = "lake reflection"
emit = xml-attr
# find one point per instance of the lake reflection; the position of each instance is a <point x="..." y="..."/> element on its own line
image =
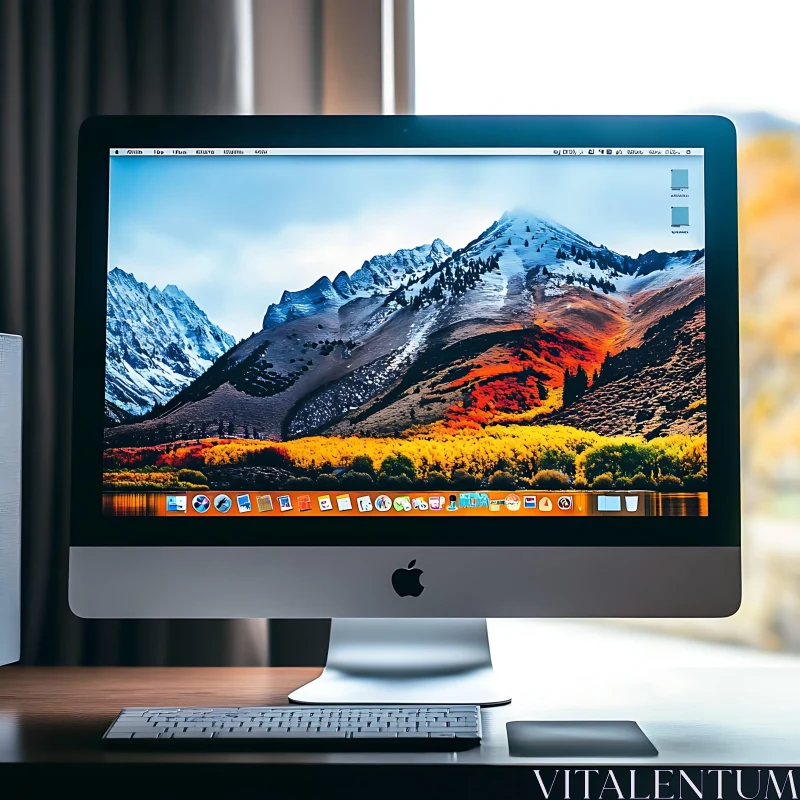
<point x="679" y="504"/>
<point x="139" y="504"/>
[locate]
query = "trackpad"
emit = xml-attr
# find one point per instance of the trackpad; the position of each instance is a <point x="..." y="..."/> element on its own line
<point x="578" y="739"/>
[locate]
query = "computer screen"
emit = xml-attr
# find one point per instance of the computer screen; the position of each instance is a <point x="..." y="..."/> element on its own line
<point x="374" y="332"/>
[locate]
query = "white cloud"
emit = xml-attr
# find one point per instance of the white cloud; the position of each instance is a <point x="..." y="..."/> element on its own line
<point x="233" y="277"/>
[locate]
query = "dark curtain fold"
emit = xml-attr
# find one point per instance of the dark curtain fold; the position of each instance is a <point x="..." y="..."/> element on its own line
<point x="60" y="62"/>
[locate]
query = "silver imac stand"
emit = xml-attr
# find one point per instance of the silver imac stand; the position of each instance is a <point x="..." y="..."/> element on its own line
<point x="413" y="661"/>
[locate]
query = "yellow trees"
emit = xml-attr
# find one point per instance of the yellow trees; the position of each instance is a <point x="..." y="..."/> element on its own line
<point x="523" y="449"/>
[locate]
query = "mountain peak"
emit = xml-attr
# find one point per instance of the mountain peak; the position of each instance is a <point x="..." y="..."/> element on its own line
<point x="119" y="276"/>
<point x="157" y="342"/>
<point x="439" y="250"/>
<point x="171" y="290"/>
<point x="342" y="284"/>
<point x="382" y="273"/>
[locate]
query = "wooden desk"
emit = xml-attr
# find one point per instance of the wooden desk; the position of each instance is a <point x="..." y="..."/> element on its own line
<point x="700" y="705"/>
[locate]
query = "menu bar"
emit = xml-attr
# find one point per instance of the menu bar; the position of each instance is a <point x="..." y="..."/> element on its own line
<point x="599" y="152"/>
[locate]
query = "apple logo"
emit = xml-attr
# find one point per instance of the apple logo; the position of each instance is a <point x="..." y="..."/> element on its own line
<point x="406" y="581"/>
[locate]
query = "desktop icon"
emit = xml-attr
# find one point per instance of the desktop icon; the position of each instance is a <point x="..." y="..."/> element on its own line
<point x="383" y="502"/>
<point x="632" y="503"/>
<point x="243" y="501"/>
<point x="343" y="502"/>
<point x="325" y="503"/>
<point x="402" y="503"/>
<point x="285" y="502"/>
<point x="565" y="503"/>
<point x="364" y="503"/>
<point x="529" y="500"/>
<point x="464" y="499"/>
<point x="482" y="499"/>
<point x="304" y="502"/>
<point x="419" y="504"/>
<point x="680" y="179"/>
<point x="200" y="503"/>
<point x="680" y="216"/>
<point x="223" y="503"/>
<point x="436" y="503"/>
<point x="264" y="502"/>
<point x="496" y="505"/>
<point x="512" y="502"/>
<point x="452" y="505"/>
<point x="545" y="504"/>
<point x="176" y="503"/>
<point x="610" y="502"/>
<point x="405" y="581"/>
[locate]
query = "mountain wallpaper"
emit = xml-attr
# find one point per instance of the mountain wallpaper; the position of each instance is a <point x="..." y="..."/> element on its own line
<point x="157" y="343"/>
<point x="528" y="357"/>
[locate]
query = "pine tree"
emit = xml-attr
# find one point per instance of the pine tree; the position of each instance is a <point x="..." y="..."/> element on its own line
<point x="582" y="378"/>
<point x="546" y="272"/>
<point x="526" y="243"/>
<point x="572" y="251"/>
<point x="606" y="369"/>
<point x="509" y="240"/>
<point x="568" y="395"/>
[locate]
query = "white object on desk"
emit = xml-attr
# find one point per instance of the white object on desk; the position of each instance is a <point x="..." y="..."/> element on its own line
<point x="10" y="488"/>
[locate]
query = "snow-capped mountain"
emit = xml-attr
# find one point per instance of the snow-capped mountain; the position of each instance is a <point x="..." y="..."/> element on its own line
<point x="379" y="275"/>
<point x="430" y="334"/>
<point x="157" y="342"/>
<point x="523" y="245"/>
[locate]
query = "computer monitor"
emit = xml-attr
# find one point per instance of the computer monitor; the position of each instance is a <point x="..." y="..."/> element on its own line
<point x="322" y="364"/>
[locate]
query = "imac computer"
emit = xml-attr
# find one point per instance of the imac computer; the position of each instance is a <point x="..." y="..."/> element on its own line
<point x="407" y="373"/>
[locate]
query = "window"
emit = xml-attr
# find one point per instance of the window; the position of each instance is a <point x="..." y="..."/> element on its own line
<point x="614" y="57"/>
<point x="624" y="56"/>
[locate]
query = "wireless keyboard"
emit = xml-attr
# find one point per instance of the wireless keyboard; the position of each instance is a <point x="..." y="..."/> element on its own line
<point x="354" y="728"/>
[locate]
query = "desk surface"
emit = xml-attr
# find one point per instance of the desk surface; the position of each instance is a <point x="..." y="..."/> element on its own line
<point x="699" y="704"/>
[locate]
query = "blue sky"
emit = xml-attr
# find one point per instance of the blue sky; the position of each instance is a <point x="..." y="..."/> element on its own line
<point x="233" y="233"/>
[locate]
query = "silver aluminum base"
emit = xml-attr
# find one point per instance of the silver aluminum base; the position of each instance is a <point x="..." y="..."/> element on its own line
<point x="411" y="661"/>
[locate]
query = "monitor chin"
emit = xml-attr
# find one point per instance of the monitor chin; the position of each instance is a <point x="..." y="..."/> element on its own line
<point x="356" y="582"/>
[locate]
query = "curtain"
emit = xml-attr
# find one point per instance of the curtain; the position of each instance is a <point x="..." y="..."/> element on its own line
<point x="60" y="62"/>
